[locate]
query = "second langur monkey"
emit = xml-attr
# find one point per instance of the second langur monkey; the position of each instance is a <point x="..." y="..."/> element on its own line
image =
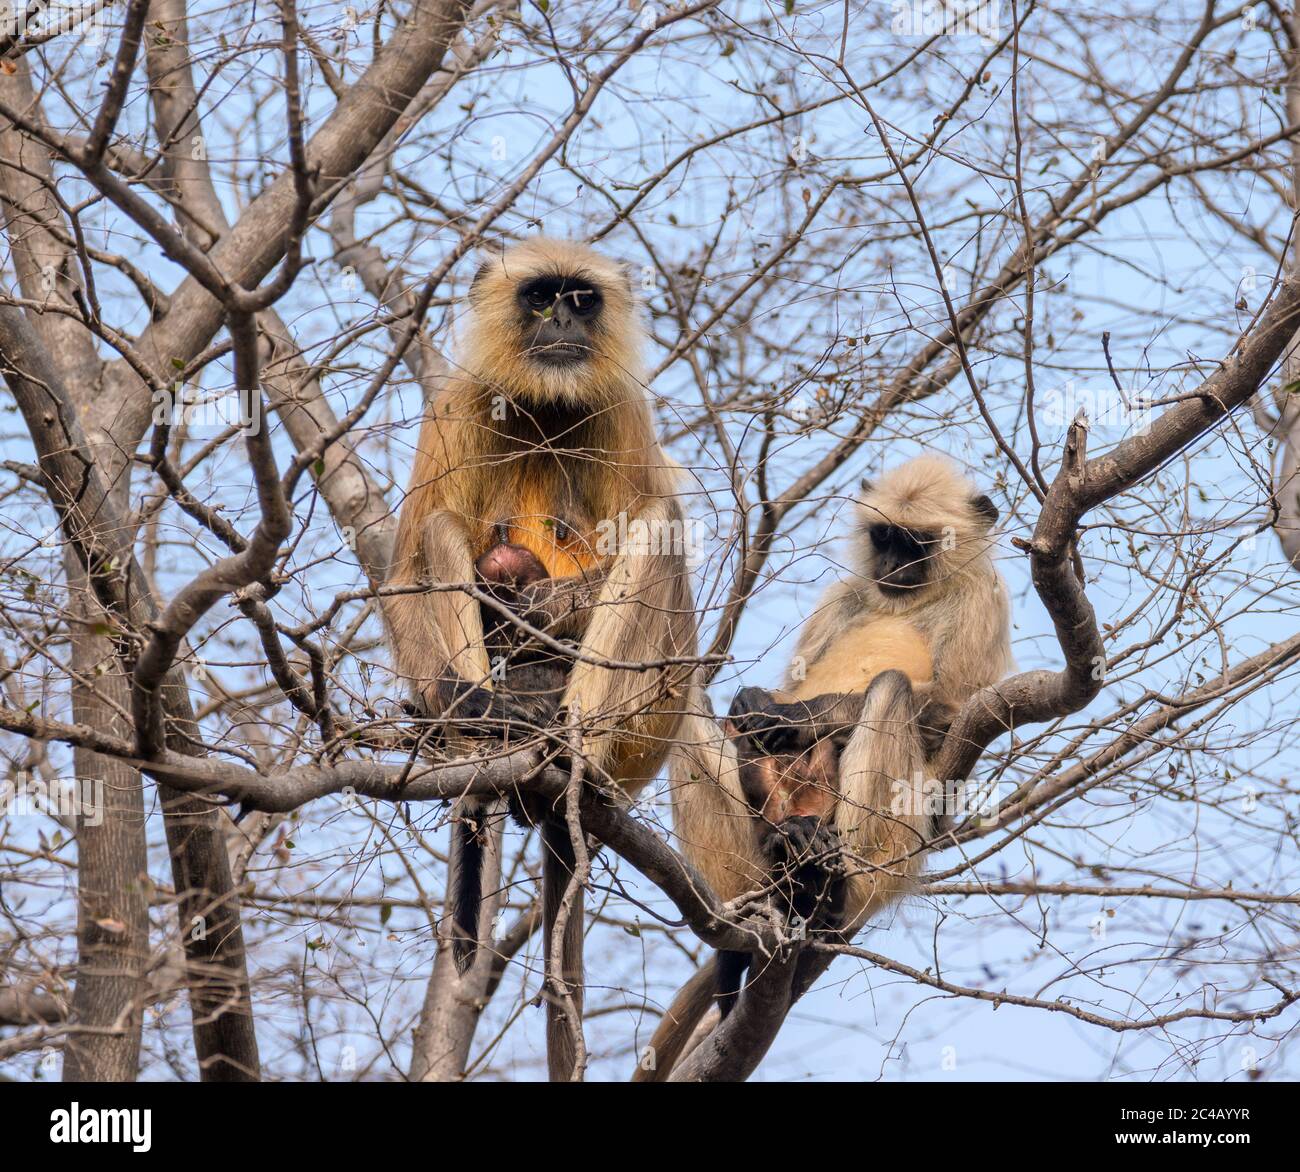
<point x="539" y="477"/>
<point x="919" y="625"/>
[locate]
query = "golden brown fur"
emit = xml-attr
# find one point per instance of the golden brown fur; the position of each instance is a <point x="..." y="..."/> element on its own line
<point x="889" y="653"/>
<point x="555" y="453"/>
<point x="548" y="458"/>
<point x="869" y="645"/>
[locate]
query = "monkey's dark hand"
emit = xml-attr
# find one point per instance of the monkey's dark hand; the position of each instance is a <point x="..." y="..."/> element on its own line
<point x="770" y="727"/>
<point x="560" y="606"/>
<point x="429" y="726"/>
<point x="933" y="722"/>
<point x="807" y="862"/>
<point x="802" y="840"/>
<point x="454" y="702"/>
<point x="751" y="701"/>
<point x="479" y="713"/>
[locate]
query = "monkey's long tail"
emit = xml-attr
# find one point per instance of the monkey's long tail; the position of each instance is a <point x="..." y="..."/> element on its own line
<point x="558" y="862"/>
<point x="678" y="1024"/>
<point x="469" y="844"/>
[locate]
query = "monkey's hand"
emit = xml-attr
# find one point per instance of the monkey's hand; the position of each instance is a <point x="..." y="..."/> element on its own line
<point x="751" y="700"/>
<point x="801" y="841"/>
<point x="933" y="720"/>
<point x="808" y="865"/>
<point x="480" y="713"/>
<point x="771" y="727"/>
<point x="440" y="704"/>
<point x="560" y="606"/>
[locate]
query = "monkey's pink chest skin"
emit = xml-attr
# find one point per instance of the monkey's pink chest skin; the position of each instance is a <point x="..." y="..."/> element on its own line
<point x="869" y="646"/>
<point x="510" y="565"/>
<point x="563" y="546"/>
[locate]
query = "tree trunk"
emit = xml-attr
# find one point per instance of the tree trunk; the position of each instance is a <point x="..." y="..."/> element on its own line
<point x="112" y="868"/>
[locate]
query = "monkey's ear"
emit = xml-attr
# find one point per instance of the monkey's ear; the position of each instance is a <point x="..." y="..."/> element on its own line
<point x="627" y="270"/>
<point x="866" y="485"/>
<point x="985" y="509"/>
<point x="490" y="253"/>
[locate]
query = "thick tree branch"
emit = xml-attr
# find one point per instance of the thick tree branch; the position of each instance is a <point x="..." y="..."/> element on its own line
<point x="1081" y="485"/>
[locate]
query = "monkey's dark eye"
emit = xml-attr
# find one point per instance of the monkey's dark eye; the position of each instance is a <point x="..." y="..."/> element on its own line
<point x="539" y="297"/>
<point x="584" y="300"/>
<point x="879" y="535"/>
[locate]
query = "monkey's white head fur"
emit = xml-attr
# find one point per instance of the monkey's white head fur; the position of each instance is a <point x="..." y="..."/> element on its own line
<point x="497" y="347"/>
<point x="931" y="498"/>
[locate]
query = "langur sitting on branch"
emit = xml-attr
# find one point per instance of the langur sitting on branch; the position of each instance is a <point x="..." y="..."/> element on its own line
<point x="534" y="460"/>
<point x="888" y="656"/>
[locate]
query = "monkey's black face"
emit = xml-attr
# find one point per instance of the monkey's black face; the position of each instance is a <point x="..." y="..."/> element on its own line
<point x="901" y="557"/>
<point x="558" y="317"/>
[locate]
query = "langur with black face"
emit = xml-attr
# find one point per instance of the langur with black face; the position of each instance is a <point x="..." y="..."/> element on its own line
<point x="840" y="754"/>
<point x="540" y="480"/>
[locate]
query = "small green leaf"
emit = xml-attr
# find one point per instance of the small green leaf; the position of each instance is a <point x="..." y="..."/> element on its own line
<point x="178" y="363"/>
<point x="385" y="913"/>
